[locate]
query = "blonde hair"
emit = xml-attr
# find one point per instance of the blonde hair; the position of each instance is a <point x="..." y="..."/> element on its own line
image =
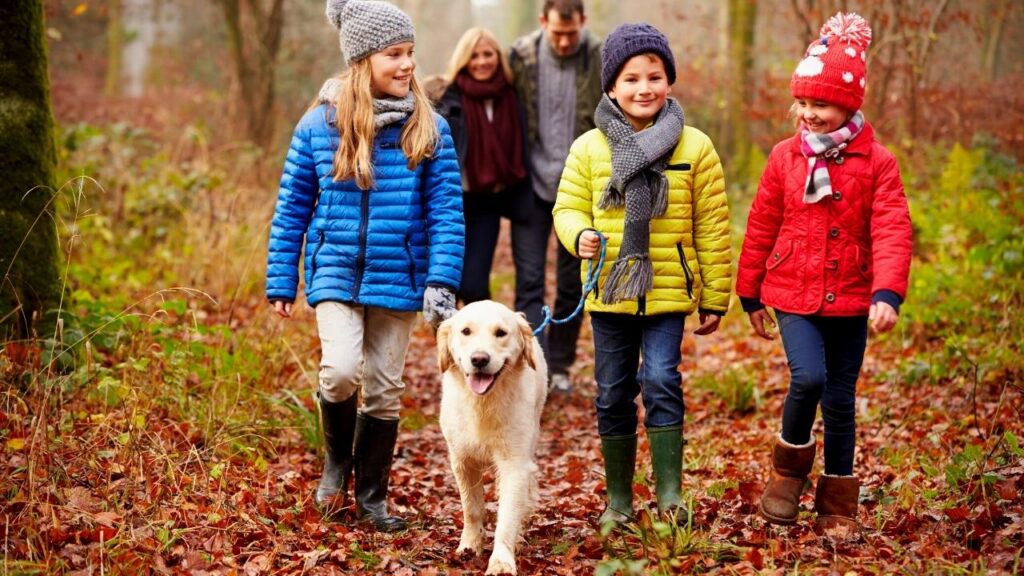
<point x="356" y="132"/>
<point x="464" y="52"/>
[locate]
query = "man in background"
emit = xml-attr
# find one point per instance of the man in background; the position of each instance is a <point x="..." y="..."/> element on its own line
<point x="557" y="74"/>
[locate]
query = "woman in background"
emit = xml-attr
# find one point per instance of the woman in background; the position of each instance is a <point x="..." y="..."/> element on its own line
<point x="482" y="109"/>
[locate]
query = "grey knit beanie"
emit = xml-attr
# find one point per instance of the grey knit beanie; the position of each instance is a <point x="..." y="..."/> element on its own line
<point x="629" y="40"/>
<point x="368" y="27"/>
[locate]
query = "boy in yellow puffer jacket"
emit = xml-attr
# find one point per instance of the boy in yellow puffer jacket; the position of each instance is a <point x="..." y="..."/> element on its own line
<point x="655" y="189"/>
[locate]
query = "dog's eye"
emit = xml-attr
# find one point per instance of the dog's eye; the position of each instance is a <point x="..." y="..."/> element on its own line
<point x="466" y="331"/>
<point x="500" y="333"/>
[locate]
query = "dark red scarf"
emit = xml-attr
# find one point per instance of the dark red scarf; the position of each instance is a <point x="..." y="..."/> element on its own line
<point x="494" y="151"/>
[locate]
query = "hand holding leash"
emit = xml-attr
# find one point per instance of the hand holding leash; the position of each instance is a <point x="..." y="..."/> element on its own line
<point x="593" y="274"/>
<point x="590" y="243"/>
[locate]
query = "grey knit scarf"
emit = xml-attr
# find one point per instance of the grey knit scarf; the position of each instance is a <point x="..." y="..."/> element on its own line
<point x="390" y="110"/>
<point x="638" y="183"/>
<point x="385" y="110"/>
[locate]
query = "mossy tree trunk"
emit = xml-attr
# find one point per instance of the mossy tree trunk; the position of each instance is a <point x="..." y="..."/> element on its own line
<point x="28" y="237"/>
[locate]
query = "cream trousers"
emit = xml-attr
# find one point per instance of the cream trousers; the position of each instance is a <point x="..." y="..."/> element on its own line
<point x="364" y="346"/>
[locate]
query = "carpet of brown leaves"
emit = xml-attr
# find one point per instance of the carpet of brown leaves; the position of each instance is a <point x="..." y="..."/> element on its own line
<point x="91" y="490"/>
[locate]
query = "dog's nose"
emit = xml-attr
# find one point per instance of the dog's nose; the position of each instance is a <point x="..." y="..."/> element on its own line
<point x="480" y="359"/>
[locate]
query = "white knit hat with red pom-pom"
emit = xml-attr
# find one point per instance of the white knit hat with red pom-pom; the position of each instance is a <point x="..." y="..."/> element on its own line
<point x="834" y="68"/>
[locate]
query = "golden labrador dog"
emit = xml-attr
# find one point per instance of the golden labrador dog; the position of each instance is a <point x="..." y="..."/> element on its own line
<point x="493" y="388"/>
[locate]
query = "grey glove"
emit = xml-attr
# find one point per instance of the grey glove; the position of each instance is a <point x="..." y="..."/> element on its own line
<point x="438" y="305"/>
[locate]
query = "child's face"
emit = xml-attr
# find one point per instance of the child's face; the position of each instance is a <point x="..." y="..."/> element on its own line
<point x="483" y="62"/>
<point x="641" y="89"/>
<point x="820" y="117"/>
<point x="391" y="70"/>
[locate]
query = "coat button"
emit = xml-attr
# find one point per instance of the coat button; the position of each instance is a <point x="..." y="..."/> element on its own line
<point x="775" y="256"/>
<point x="837" y="195"/>
<point x="832" y="264"/>
<point x="834" y="232"/>
<point x="839" y="159"/>
<point x="830" y="297"/>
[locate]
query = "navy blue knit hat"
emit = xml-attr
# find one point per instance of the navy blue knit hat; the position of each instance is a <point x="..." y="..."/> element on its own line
<point x="629" y="40"/>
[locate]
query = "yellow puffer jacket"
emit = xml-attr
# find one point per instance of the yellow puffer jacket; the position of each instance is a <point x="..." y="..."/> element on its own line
<point x="689" y="245"/>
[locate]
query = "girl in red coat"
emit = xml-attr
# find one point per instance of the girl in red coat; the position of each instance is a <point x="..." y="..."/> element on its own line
<point x="827" y="247"/>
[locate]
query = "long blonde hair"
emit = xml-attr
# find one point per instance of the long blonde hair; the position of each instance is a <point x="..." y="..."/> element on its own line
<point x="354" y="103"/>
<point x="464" y="52"/>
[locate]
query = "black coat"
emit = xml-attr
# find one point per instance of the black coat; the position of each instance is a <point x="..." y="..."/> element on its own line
<point x="511" y="202"/>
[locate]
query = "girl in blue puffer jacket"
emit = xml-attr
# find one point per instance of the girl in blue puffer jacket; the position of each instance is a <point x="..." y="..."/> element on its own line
<point x="371" y="184"/>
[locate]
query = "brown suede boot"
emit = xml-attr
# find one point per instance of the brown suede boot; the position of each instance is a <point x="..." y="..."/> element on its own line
<point x="835" y="501"/>
<point x="780" y="502"/>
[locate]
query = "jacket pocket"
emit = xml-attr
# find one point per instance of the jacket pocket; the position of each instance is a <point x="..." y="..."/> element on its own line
<point x="683" y="167"/>
<point x="864" y="263"/>
<point x="412" y="263"/>
<point x="779" y="255"/>
<point x="316" y="252"/>
<point x="686" y="269"/>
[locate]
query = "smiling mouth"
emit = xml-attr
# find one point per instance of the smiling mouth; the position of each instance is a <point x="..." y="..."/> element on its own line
<point x="480" y="383"/>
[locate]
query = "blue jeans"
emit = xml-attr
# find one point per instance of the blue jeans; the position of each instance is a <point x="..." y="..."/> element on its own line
<point x="825" y="354"/>
<point x="620" y="341"/>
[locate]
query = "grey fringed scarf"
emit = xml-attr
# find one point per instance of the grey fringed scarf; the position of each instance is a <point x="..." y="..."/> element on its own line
<point x="385" y="110"/>
<point x="638" y="183"/>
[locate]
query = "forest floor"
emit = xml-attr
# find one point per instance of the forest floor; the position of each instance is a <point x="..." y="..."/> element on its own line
<point x="94" y="487"/>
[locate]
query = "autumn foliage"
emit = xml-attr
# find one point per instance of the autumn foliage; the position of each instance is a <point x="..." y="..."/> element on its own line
<point x="164" y="422"/>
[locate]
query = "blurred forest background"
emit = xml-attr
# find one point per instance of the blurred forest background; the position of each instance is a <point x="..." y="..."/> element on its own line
<point x="159" y="419"/>
<point x="940" y="69"/>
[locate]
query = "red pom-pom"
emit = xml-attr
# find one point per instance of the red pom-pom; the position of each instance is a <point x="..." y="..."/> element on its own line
<point x="849" y="28"/>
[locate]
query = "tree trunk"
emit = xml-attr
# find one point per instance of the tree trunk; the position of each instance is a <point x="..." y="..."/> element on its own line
<point x="920" y="53"/>
<point x="996" y="12"/>
<point x="742" y="16"/>
<point x="254" y="49"/>
<point x="115" y="47"/>
<point x="28" y="238"/>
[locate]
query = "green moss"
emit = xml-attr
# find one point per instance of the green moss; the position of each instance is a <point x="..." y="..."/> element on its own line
<point x="28" y="243"/>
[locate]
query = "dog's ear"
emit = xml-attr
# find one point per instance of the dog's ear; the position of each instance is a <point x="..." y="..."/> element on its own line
<point x="526" y="332"/>
<point x="444" y="351"/>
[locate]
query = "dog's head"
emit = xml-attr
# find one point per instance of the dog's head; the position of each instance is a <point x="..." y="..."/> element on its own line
<point x="481" y="341"/>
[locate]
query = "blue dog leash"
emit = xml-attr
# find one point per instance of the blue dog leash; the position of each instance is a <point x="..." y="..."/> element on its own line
<point x="593" y="274"/>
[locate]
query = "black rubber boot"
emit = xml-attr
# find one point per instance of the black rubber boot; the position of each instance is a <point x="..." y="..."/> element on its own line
<point x="619" y="464"/>
<point x="339" y="423"/>
<point x="374" y="450"/>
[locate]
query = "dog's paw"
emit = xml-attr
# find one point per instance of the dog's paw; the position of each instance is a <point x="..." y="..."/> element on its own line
<point x="469" y="546"/>
<point x="502" y="561"/>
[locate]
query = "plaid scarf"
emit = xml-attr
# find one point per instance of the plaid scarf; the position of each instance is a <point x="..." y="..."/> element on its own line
<point x="638" y="183"/>
<point x="817" y="148"/>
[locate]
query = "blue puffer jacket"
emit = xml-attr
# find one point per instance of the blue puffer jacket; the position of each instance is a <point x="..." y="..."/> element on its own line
<point x="377" y="247"/>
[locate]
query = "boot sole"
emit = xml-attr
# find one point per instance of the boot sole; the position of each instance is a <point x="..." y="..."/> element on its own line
<point x="775" y="519"/>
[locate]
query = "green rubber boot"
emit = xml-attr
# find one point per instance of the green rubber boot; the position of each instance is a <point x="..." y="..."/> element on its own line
<point x="667" y="461"/>
<point x="619" y="464"/>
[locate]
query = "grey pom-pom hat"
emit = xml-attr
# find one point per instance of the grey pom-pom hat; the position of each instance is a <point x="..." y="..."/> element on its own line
<point x="368" y="27"/>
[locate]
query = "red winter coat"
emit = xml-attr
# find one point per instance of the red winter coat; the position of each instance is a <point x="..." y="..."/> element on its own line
<point x="827" y="258"/>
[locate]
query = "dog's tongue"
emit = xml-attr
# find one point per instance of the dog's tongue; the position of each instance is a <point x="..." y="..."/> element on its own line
<point x="480" y="383"/>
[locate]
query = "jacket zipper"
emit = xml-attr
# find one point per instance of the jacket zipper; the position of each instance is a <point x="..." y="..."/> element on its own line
<point x="361" y="259"/>
<point x="686" y="270"/>
<point x="412" y="264"/>
<point x="319" y="245"/>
